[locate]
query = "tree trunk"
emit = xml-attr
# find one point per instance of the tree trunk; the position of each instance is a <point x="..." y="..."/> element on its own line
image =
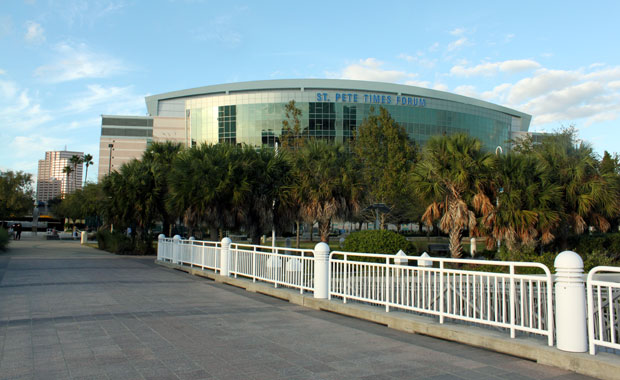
<point x="456" y="250"/>
<point x="311" y="230"/>
<point x="324" y="230"/>
<point x="297" y="237"/>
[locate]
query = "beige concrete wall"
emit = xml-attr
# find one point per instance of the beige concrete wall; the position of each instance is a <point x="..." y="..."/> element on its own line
<point x="124" y="150"/>
<point x="169" y="129"/>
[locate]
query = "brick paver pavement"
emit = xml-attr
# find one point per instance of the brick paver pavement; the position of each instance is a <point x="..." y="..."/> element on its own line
<point x="72" y="312"/>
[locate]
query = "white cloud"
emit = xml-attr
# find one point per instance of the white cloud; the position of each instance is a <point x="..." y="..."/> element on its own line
<point x="467" y="90"/>
<point x="457" y="31"/>
<point x="108" y="100"/>
<point x="371" y="69"/>
<point x="491" y="68"/>
<point x="34" y="33"/>
<point x="78" y="62"/>
<point x="18" y="110"/>
<point x="440" y="87"/>
<point x="2" y="72"/>
<point x="543" y="82"/>
<point x="425" y="84"/>
<point x="457" y="44"/>
<point x="419" y="59"/>
<point x="222" y="30"/>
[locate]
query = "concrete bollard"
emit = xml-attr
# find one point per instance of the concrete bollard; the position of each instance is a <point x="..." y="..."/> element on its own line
<point x="176" y="249"/>
<point x="472" y="247"/>
<point x="83" y="237"/>
<point x="570" y="303"/>
<point x="400" y="258"/>
<point x="321" y="270"/>
<point x="425" y="263"/>
<point x="224" y="256"/>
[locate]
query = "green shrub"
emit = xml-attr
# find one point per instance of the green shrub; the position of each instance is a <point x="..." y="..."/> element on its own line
<point x="114" y="242"/>
<point x="4" y="239"/>
<point x="378" y="241"/>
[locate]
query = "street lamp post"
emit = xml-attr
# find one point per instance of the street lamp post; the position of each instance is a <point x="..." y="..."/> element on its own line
<point x="498" y="151"/>
<point x="110" y="161"/>
<point x="273" y="211"/>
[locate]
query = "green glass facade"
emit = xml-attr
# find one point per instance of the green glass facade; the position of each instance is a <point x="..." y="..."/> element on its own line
<point x="252" y="112"/>
<point x="256" y="119"/>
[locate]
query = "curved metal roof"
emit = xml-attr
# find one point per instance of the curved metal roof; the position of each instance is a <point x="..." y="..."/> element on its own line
<point x="328" y="84"/>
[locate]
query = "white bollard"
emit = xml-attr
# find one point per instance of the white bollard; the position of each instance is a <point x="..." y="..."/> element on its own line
<point x="425" y="263"/>
<point x="400" y="258"/>
<point x="570" y="303"/>
<point x="224" y="255"/>
<point x="176" y="249"/>
<point x="83" y="238"/>
<point x="321" y="270"/>
<point x="472" y="247"/>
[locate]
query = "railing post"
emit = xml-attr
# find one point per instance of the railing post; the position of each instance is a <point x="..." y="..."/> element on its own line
<point x="224" y="254"/>
<point x="160" y="246"/>
<point x="570" y="303"/>
<point x="191" y="251"/>
<point x="387" y="284"/>
<point x="513" y="299"/>
<point x="176" y="248"/>
<point x="321" y="270"/>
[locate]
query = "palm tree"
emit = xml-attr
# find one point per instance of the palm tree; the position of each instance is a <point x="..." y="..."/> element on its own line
<point x="88" y="160"/>
<point x="587" y="196"/>
<point x="75" y="160"/>
<point x="159" y="157"/>
<point x="453" y="175"/>
<point x="527" y="203"/>
<point x="326" y="184"/>
<point x="197" y="185"/>
<point x="67" y="170"/>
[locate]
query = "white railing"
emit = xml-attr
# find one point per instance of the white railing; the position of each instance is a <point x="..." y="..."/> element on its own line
<point x="165" y="249"/>
<point x="289" y="267"/>
<point x="518" y="302"/>
<point x="195" y="253"/>
<point x="603" y="307"/>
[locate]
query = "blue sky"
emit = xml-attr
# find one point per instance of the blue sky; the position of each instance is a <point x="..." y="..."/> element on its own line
<point x="65" y="63"/>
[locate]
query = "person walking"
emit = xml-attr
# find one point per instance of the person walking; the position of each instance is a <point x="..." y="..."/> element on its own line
<point x="18" y="231"/>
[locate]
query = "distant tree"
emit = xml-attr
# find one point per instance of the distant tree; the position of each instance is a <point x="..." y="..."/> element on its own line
<point x="610" y="164"/>
<point x="87" y="160"/>
<point x="75" y="160"/>
<point x="292" y="134"/>
<point x="16" y="194"/>
<point x="386" y="156"/>
<point x="67" y="170"/>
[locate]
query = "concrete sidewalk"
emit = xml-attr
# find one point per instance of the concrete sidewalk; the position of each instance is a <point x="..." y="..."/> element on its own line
<point x="67" y="311"/>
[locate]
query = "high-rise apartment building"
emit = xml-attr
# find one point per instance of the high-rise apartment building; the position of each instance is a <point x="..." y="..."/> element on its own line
<point x="52" y="182"/>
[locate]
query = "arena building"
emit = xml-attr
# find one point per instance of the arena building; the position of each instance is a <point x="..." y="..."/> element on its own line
<point x="252" y="113"/>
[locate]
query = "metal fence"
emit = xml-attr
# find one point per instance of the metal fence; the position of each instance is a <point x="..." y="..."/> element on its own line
<point x="195" y="253"/>
<point x="603" y="286"/>
<point x="514" y="301"/>
<point x="288" y="267"/>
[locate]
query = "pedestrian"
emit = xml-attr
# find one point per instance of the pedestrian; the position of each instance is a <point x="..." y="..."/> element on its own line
<point x="12" y="231"/>
<point x="18" y="231"/>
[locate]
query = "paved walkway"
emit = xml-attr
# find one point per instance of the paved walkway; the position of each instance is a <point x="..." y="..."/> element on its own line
<point x="72" y="312"/>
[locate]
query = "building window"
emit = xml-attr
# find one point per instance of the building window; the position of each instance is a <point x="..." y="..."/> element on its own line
<point x="227" y="124"/>
<point x="322" y="121"/>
